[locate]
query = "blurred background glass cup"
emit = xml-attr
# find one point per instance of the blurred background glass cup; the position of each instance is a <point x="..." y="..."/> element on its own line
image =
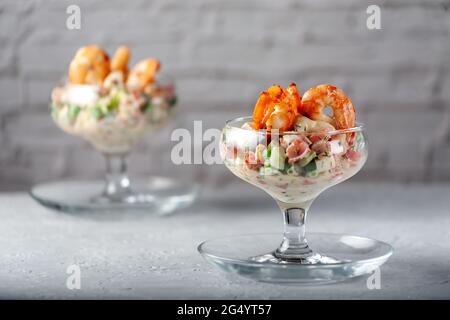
<point x="113" y="125"/>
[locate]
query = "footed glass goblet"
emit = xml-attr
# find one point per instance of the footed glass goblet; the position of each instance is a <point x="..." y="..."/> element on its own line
<point x="294" y="168"/>
<point x="113" y="119"/>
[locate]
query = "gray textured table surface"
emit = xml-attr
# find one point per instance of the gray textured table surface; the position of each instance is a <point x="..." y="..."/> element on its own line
<point x="140" y="256"/>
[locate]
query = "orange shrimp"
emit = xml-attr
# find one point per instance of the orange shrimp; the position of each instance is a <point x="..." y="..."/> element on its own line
<point x="277" y="108"/>
<point x="90" y="65"/>
<point x="316" y="99"/>
<point x="143" y="73"/>
<point x="259" y="112"/>
<point x="295" y="95"/>
<point x="119" y="61"/>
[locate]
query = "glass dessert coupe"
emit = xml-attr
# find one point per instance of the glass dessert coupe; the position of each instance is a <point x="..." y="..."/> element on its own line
<point x="260" y="158"/>
<point x="112" y="123"/>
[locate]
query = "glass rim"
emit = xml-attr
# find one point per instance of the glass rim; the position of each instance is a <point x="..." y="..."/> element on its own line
<point x="228" y="124"/>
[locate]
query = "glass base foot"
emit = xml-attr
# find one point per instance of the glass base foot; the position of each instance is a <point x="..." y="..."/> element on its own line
<point x="338" y="257"/>
<point x="157" y="195"/>
<point x="313" y="258"/>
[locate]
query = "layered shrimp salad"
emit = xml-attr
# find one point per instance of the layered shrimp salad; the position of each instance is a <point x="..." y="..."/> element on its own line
<point x="291" y="148"/>
<point x="108" y="105"/>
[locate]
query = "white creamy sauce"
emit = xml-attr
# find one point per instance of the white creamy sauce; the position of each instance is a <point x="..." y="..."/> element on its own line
<point x="81" y="95"/>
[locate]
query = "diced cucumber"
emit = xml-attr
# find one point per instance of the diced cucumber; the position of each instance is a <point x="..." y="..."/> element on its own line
<point x="96" y="112"/>
<point x="121" y="93"/>
<point x="325" y="164"/>
<point x="305" y="161"/>
<point x="114" y="103"/>
<point x="172" y="101"/>
<point x="103" y="104"/>
<point x="73" y="112"/>
<point x="266" y="153"/>
<point x="359" y="137"/>
<point x="277" y="157"/>
<point x="310" y="170"/>
<point x="310" y="167"/>
<point x="148" y="107"/>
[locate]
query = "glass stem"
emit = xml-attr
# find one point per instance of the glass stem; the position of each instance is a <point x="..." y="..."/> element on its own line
<point x="117" y="186"/>
<point x="294" y="245"/>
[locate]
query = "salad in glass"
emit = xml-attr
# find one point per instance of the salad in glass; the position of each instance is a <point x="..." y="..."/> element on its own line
<point x="108" y="105"/>
<point x="294" y="149"/>
<point x="112" y="107"/>
<point x="291" y="150"/>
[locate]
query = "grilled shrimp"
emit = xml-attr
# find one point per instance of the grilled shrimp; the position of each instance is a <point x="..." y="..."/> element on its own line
<point x="119" y="61"/>
<point x="89" y="66"/>
<point x="277" y="108"/>
<point x="316" y="99"/>
<point x="143" y="73"/>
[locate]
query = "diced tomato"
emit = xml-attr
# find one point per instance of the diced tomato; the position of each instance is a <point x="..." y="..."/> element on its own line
<point x="250" y="160"/>
<point x="353" y="155"/>
<point x="315" y="137"/>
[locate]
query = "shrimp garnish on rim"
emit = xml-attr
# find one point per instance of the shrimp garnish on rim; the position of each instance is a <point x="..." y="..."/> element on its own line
<point x="89" y="66"/>
<point x="316" y="99"/>
<point x="119" y="61"/>
<point x="277" y="108"/>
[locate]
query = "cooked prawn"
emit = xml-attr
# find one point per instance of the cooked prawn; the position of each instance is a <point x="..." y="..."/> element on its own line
<point x="316" y="99"/>
<point x="260" y="110"/>
<point x="143" y="73"/>
<point x="295" y="95"/>
<point x="89" y="66"/>
<point x="277" y="108"/>
<point x="119" y="61"/>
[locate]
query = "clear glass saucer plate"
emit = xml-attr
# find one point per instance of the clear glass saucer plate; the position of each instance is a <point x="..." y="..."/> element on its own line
<point x="155" y="195"/>
<point x="341" y="257"/>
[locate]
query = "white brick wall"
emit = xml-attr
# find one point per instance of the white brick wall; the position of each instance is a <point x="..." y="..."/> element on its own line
<point x="222" y="53"/>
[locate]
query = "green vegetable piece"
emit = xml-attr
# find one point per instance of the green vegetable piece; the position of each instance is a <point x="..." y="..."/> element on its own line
<point x="307" y="159"/>
<point x="277" y="157"/>
<point x="172" y="101"/>
<point x="310" y="167"/>
<point x="148" y="107"/>
<point x="266" y="153"/>
<point x="358" y="137"/>
<point x="267" y="163"/>
<point x="74" y="110"/>
<point x="114" y="103"/>
<point x="96" y="112"/>
<point x="121" y="94"/>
